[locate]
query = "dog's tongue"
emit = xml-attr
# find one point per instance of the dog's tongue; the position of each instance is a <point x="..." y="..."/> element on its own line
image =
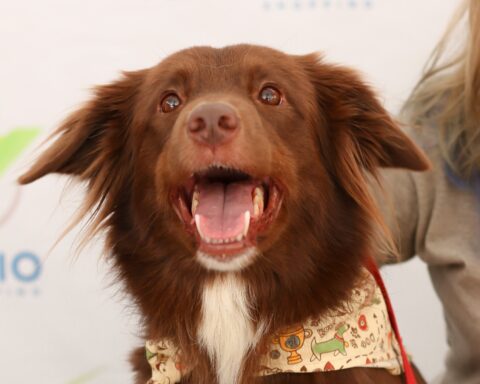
<point x="221" y="209"/>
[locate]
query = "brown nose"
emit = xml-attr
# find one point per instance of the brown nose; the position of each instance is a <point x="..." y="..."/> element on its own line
<point x="212" y="124"/>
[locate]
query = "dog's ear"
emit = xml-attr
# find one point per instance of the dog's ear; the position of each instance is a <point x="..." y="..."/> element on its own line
<point x="93" y="136"/>
<point x="355" y="129"/>
<point x="356" y="135"/>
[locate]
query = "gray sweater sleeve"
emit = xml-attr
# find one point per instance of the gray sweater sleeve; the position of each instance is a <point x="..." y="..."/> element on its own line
<point x="398" y="201"/>
<point x="432" y="217"/>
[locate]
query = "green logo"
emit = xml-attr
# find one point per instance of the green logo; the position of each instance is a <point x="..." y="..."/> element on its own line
<point x="14" y="143"/>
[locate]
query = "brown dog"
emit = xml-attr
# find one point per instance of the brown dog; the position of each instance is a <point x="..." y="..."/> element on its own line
<point x="231" y="186"/>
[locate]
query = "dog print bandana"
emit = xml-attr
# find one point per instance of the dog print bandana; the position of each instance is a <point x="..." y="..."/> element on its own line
<point x="357" y="335"/>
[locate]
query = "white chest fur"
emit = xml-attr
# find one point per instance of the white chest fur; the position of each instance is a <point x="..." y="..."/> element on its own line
<point x="226" y="330"/>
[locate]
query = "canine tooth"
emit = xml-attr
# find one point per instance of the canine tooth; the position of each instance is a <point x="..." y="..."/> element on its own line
<point x="239" y="237"/>
<point x="197" y="223"/>
<point x="256" y="210"/>
<point x="259" y="192"/>
<point x="258" y="202"/>
<point x="246" y="223"/>
<point x="257" y="206"/>
<point x="195" y="200"/>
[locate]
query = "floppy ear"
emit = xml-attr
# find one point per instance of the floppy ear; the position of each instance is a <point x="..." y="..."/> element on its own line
<point x="356" y="123"/>
<point x="93" y="137"/>
<point x="356" y="134"/>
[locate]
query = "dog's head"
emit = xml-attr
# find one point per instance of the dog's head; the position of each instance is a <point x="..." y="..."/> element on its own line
<point x="230" y="158"/>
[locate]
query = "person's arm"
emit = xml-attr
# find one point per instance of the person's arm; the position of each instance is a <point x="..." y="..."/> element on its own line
<point x="398" y="201"/>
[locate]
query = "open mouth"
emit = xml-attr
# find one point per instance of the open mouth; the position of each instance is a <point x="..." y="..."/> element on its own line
<point x="226" y="210"/>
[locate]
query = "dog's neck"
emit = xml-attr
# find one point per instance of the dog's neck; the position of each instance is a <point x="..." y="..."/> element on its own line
<point x="226" y="330"/>
<point x="239" y="350"/>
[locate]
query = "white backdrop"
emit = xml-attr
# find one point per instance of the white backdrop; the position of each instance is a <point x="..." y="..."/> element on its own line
<point x="61" y="320"/>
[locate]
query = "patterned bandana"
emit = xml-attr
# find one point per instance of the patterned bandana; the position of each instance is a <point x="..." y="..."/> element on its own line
<point x="357" y="335"/>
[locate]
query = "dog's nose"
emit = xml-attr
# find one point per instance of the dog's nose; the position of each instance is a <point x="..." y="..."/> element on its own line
<point x="212" y="124"/>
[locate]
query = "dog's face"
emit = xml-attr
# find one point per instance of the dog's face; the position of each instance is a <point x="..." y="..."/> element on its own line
<point x="233" y="139"/>
<point x="224" y="159"/>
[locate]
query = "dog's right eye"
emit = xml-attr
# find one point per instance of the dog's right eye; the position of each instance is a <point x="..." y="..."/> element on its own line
<point x="170" y="102"/>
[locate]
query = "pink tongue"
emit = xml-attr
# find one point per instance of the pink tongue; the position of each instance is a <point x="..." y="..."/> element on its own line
<point x="222" y="208"/>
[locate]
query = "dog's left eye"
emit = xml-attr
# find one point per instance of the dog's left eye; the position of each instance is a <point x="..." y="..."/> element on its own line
<point x="170" y="102"/>
<point x="270" y="95"/>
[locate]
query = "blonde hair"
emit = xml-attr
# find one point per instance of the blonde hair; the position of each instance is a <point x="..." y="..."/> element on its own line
<point x="448" y="94"/>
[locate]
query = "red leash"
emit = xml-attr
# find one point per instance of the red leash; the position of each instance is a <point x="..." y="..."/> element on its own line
<point x="407" y="367"/>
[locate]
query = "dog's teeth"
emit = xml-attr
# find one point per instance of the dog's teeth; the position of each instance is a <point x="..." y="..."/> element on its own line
<point x="246" y="223"/>
<point x="257" y="207"/>
<point x="258" y="198"/>
<point x="259" y="192"/>
<point x="195" y="200"/>
<point x="210" y="240"/>
<point x="197" y="223"/>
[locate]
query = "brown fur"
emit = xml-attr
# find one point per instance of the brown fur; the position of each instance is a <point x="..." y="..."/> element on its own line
<point x="318" y="144"/>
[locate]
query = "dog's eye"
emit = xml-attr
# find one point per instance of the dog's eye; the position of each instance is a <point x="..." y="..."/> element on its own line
<point x="270" y="95"/>
<point x="170" y="102"/>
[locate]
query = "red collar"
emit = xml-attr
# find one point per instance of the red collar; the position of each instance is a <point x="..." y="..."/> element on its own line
<point x="372" y="267"/>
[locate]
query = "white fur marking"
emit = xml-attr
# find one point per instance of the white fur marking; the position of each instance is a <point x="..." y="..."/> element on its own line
<point x="226" y="330"/>
<point x="237" y="263"/>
